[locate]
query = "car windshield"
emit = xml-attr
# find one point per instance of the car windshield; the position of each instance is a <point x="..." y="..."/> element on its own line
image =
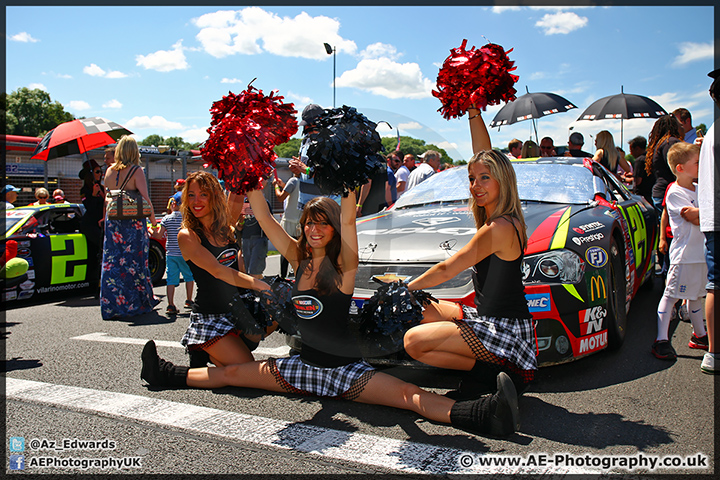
<point x="12" y="218"/>
<point x="537" y="182"/>
<point x="553" y="182"/>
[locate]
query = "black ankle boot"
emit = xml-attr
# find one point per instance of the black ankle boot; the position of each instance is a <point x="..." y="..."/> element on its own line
<point x="159" y="373"/>
<point x="496" y="414"/>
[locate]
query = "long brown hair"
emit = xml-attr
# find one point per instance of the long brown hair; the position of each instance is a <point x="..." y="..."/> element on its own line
<point x="220" y="225"/>
<point x="508" y="199"/>
<point x="664" y="127"/>
<point x="329" y="274"/>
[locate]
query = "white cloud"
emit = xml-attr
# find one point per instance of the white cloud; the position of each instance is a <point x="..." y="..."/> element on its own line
<point x="390" y="79"/>
<point x="693" y="52"/>
<point x="77" y="105"/>
<point x="156" y="122"/>
<point x="164" y="60"/>
<point x="94" y="71"/>
<point x="231" y="80"/>
<point x="447" y="145"/>
<point x="225" y="32"/>
<point x="410" y="126"/>
<point x="194" y="135"/>
<point x="380" y="50"/>
<point x="40" y="86"/>
<point x="64" y="75"/>
<point x="563" y="22"/>
<point x="298" y="100"/>
<point x="23" y="37"/>
<point x="112" y="104"/>
<point x="497" y="9"/>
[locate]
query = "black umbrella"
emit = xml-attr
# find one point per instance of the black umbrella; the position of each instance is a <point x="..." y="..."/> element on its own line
<point x="530" y="107"/>
<point x="624" y="106"/>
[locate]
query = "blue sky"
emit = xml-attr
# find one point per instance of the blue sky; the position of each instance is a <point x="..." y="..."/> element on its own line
<point x="157" y="70"/>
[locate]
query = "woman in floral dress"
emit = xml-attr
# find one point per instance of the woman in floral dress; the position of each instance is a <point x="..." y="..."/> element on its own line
<point x="125" y="286"/>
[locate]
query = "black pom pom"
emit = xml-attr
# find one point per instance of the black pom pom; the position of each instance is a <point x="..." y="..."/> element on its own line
<point x="343" y="153"/>
<point x="248" y="314"/>
<point x="386" y="316"/>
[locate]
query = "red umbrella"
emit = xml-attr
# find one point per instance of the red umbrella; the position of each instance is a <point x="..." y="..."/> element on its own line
<point x="77" y="137"/>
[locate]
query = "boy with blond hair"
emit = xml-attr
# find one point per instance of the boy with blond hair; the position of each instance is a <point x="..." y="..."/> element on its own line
<point x="685" y="278"/>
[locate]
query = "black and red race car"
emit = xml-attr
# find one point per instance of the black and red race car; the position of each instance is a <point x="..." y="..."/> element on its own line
<point x="590" y="248"/>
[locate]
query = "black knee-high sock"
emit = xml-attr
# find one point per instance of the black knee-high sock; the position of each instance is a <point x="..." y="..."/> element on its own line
<point x="160" y="373"/>
<point x="496" y="414"/>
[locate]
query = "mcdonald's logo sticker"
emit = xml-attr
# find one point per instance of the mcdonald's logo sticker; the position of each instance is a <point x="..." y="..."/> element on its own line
<point x="597" y="288"/>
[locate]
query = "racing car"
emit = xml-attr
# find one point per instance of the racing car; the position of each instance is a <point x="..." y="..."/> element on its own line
<point x="590" y="248"/>
<point x="49" y="238"/>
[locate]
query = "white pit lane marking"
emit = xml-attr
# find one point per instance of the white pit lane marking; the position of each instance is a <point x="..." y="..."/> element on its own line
<point x="398" y="455"/>
<point x="283" y="351"/>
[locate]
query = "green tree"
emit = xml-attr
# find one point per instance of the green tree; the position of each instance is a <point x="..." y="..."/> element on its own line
<point x="703" y="128"/>
<point x="289" y="148"/>
<point x="151" y="140"/>
<point x="414" y="146"/>
<point x="32" y="112"/>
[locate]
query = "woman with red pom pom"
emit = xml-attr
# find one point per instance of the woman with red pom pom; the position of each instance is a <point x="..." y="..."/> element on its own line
<point x="207" y="242"/>
<point x="325" y="258"/>
<point x="498" y="335"/>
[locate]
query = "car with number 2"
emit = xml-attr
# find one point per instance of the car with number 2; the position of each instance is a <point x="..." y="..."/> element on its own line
<point x="590" y="248"/>
<point x="49" y="238"/>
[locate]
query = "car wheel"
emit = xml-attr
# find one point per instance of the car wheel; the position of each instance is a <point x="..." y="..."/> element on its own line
<point x="156" y="262"/>
<point x="617" y="316"/>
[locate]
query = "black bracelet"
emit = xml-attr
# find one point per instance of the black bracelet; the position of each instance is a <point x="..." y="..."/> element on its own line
<point x="476" y="115"/>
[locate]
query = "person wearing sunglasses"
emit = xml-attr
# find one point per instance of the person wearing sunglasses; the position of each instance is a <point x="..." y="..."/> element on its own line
<point x="547" y="147"/>
<point x="41" y="195"/>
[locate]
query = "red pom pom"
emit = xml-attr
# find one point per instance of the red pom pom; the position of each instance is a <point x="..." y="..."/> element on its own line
<point x="244" y="130"/>
<point x="477" y="76"/>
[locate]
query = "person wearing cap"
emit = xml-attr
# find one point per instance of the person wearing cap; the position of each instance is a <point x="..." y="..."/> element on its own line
<point x="575" y="143"/>
<point x="298" y="165"/>
<point x="709" y="203"/>
<point x="10" y="193"/>
<point x="92" y="194"/>
<point x="430" y="165"/>
<point x="41" y="196"/>
<point x="175" y="263"/>
<point x="59" y="196"/>
<point x="179" y="184"/>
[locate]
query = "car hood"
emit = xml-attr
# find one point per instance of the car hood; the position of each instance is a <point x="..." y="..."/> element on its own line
<point x="433" y="233"/>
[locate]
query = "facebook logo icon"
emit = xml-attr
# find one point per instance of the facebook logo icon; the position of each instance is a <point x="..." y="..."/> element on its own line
<point x="17" y="462"/>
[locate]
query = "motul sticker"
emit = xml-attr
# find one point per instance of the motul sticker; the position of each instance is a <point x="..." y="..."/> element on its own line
<point x="307" y="307"/>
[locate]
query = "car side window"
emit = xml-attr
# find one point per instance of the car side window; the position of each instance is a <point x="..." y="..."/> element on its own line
<point x="65" y="221"/>
<point x="619" y="191"/>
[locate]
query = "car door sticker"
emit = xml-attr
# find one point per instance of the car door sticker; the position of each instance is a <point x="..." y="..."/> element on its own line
<point x="69" y="258"/>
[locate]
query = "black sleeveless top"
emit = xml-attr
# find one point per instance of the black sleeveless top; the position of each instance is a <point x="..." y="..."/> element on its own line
<point x="213" y="295"/>
<point x="499" y="291"/>
<point x="323" y="326"/>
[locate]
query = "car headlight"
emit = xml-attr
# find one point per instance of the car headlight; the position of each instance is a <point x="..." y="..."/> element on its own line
<point x="553" y="267"/>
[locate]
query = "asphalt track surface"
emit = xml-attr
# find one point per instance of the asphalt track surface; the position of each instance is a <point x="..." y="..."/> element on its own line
<point x="72" y="376"/>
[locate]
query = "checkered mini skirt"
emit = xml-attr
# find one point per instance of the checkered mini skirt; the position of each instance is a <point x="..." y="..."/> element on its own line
<point x="511" y="340"/>
<point x="346" y="382"/>
<point x="206" y="329"/>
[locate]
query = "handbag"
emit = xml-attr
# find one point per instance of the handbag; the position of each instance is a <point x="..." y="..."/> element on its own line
<point x="127" y="204"/>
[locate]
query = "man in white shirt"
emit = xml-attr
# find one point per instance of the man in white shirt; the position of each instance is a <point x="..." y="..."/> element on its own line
<point x="10" y="193"/>
<point x="403" y="173"/>
<point x="709" y="202"/>
<point x="430" y="165"/>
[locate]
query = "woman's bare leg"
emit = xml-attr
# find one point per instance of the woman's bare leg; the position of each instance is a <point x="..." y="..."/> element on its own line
<point x="249" y="375"/>
<point x="441" y="311"/>
<point x="229" y="350"/>
<point x="439" y="344"/>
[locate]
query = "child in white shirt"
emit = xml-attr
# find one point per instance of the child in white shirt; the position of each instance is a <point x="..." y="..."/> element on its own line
<point x="685" y="278"/>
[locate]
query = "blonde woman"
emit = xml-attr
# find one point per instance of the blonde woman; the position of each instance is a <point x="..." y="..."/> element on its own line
<point x="125" y="287"/>
<point x="41" y="195"/>
<point x="607" y="154"/>
<point x="530" y="149"/>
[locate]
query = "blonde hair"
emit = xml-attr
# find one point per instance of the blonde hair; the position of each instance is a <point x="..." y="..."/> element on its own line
<point x="605" y="142"/>
<point x="41" y="192"/>
<point x="680" y="154"/>
<point x="529" y="150"/>
<point x="508" y="199"/>
<point x="126" y="153"/>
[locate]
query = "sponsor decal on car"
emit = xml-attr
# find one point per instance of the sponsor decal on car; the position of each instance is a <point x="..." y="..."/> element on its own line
<point x="590" y="238"/>
<point x="593" y="318"/>
<point x="597" y="289"/>
<point x="69" y="258"/>
<point x="307" y="307"/>
<point x="596" y="256"/>
<point x="538" y="302"/>
<point x="411" y="230"/>
<point x="10" y="295"/>
<point x="24" y="252"/>
<point x="434" y="221"/>
<point x="27" y="285"/>
<point x="388" y="277"/>
<point x="588" y="227"/>
<point x="25" y="294"/>
<point x="593" y="343"/>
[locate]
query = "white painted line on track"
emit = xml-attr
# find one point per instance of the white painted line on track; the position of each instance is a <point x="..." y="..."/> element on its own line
<point x="398" y="455"/>
<point x="283" y="351"/>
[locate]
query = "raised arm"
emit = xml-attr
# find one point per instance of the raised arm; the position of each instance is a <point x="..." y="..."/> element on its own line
<point x="349" y="249"/>
<point x="284" y="243"/>
<point x="478" y="131"/>
<point x="193" y="251"/>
